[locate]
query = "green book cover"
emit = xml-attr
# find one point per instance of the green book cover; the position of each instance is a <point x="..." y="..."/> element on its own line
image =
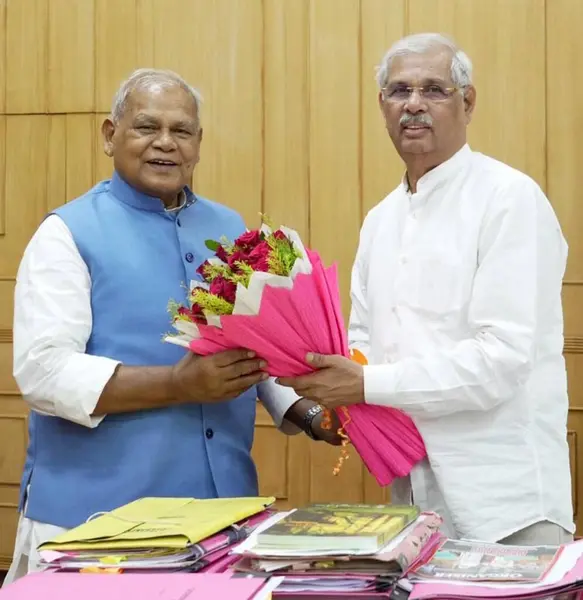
<point x="355" y="526"/>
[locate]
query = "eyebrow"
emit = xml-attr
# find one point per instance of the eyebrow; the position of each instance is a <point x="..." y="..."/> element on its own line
<point x="184" y="124"/>
<point x="427" y="81"/>
<point x="142" y="119"/>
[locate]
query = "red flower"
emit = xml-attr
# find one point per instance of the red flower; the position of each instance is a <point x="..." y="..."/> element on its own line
<point x="193" y="314"/>
<point x="221" y="253"/>
<point x="196" y="312"/>
<point x="257" y="258"/>
<point x="279" y="235"/>
<point x="223" y="288"/>
<point x="237" y="256"/>
<point x="201" y="269"/>
<point x="248" y="240"/>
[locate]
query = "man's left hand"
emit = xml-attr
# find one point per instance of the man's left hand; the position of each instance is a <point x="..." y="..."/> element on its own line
<point x="338" y="381"/>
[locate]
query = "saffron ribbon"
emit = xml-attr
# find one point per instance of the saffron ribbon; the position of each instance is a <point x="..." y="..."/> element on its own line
<point x="358" y="357"/>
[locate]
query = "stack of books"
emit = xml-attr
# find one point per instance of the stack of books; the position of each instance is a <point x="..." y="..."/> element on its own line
<point x="158" y="535"/>
<point x="339" y="548"/>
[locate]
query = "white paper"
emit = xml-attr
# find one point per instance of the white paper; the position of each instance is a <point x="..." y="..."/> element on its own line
<point x="567" y="559"/>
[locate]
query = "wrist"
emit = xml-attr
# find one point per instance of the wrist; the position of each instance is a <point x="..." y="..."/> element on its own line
<point x="312" y="420"/>
<point x="174" y="389"/>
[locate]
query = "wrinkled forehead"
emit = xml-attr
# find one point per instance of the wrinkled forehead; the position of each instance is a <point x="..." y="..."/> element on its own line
<point x="434" y="65"/>
<point x="161" y="102"/>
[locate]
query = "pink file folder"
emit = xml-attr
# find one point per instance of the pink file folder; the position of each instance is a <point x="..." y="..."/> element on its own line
<point x="163" y="586"/>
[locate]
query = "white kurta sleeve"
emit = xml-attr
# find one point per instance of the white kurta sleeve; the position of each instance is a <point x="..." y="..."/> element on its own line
<point x="52" y="324"/>
<point x="358" y="332"/>
<point x="521" y="251"/>
<point x="277" y="401"/>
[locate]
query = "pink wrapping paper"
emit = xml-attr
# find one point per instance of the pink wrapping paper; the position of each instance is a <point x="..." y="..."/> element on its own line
<point x="308" y="318"/>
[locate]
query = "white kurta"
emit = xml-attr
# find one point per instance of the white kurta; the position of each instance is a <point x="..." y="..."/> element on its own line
<point x="52" y="324"/>
<point x="456" y="301"/>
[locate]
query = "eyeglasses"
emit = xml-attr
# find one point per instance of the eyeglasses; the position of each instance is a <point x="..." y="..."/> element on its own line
<point x="431" y="92"/>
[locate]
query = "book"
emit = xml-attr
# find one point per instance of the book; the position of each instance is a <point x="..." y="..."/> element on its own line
<point x="342" y="528"/>
<point x="481" y="561"/>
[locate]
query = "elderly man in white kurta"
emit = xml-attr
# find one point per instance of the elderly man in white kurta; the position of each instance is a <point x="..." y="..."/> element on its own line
<point x="456" y="302"/>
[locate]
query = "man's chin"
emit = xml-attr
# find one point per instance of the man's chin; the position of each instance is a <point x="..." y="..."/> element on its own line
<point x="412" y="146"/>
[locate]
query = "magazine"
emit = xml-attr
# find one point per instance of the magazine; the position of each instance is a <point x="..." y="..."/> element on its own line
<point x="481" y="561"/>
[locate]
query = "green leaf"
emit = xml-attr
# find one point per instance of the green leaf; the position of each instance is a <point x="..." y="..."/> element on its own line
<point x="212" y="245"/>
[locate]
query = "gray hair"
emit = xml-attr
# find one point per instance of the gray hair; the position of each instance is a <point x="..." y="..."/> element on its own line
<point x="144" y="79"/>
<point x="420" y="43"/>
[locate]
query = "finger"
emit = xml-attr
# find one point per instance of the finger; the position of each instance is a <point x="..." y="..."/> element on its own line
<point x="319" y="361"/>
<point x="241" y="384"/>
<point x="242" y="368"/>
<point x="301" y="381"/>
<point x="229" y="357"/>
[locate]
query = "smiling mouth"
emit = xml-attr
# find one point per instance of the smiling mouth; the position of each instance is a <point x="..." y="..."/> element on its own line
<point x="162" y="163"/>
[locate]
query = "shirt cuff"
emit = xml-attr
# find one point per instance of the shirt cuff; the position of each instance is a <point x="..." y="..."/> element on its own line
<point x="380" y="384"/>
<point x="80" y="386"/>
<point x="278" y="399"/>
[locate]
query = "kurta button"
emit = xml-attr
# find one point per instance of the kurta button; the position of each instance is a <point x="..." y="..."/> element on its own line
<point x="189" y="256"/>
<point x="209" y="433"/>
<point x="178" y="222"/>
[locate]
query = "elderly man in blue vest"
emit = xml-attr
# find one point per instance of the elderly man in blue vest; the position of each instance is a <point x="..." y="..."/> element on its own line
<point x="115" y="413"/>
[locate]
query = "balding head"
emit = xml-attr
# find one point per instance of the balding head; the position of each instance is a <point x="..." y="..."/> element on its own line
<point x="154" y="133"/>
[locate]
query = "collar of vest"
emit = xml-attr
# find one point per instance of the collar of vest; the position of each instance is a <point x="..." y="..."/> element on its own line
<point x="127" y="194"/>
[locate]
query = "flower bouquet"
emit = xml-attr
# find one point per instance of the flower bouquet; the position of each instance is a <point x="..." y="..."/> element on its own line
<point x="266" y="292"/>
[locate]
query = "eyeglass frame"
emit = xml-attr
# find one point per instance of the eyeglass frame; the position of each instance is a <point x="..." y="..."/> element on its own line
<point x="411" y="89"/>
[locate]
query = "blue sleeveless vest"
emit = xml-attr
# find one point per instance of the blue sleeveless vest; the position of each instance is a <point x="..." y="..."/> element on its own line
<point x="138" y="258"/>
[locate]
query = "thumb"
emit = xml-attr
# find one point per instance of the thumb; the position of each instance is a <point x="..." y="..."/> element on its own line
<point x="318" y="361"/>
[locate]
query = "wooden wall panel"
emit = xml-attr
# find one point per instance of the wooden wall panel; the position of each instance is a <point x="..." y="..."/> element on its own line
<point x="564" y="93"/>
<point x="57" y="167"/>
<point x="382" y="23"/>
<point x="506" y="42"/>
<point x="335" y="187"/>
<point x="26" y="64"/>
<point x="6" y="308"/>
<point x="7" y="384"/>
<point x="115" y="56"/>
<point x="103" y="164"/>
<point x="2" y="174"/>
<point x="71" y="56"/>
<point x="286" y="185"/>
<point x="334" y="127"/>
<point x="564" y="122"/>
<point x="291" y="128"/>
<point x="25" y="194"/>
<point x="80" y="131"/>
<point x="3" y="45"/>
<point x="209" y="47"/>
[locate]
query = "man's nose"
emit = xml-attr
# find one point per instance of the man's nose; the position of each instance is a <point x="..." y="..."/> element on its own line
<point x="415" y="103"/>
<point x="165" y="141"/>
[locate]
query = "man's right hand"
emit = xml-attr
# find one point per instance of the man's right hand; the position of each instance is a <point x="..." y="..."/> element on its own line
<point x="221" y="376"/>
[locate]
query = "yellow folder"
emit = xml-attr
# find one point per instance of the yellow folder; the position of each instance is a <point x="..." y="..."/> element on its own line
<point x="158" y="523"/>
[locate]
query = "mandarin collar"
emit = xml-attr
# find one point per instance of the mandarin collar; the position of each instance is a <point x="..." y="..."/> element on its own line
<point x="127" y="194"/>
<point x="441" y="173"/>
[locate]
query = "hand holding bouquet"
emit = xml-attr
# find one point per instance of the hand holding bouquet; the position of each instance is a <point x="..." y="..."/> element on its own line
<point x="266" y="292"/>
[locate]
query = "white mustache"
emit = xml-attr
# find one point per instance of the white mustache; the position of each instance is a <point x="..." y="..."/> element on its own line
<point x="422" y="119"/>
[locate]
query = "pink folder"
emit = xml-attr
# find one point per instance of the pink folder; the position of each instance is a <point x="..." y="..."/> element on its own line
<point x="174" y="586"/>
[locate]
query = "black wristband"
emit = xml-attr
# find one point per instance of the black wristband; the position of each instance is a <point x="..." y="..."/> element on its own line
<point x="311" y="413"/>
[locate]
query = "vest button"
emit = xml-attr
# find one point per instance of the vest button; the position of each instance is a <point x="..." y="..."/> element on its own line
<point x="189" y="256"/>
<point x="209" y="433"/>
